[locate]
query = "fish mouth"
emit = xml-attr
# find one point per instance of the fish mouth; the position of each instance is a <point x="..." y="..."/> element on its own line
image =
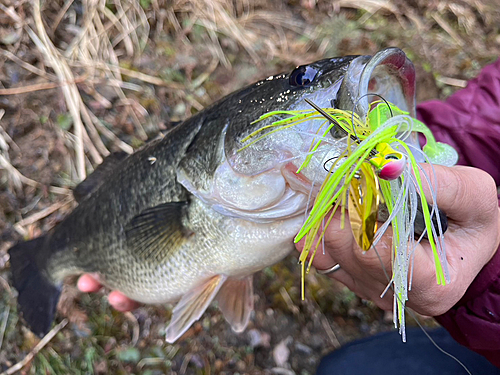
<point x="389" y="74"/>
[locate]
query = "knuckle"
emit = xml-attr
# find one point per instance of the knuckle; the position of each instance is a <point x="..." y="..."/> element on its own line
<point x="472" y="190"/>
<point x="484" y="195"/>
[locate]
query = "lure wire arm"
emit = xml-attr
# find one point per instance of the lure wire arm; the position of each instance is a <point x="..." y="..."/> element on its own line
<point x="335" y="123"/>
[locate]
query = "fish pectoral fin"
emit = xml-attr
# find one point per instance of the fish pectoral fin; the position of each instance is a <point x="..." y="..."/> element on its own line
<point x="96" y="178"/>
<point x="191" y="306"/>
<point x="157" y="231"/>
<point x="235" y="300"/>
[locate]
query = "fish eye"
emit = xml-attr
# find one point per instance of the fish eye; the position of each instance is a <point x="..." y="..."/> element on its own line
<point x="302" y="76"/>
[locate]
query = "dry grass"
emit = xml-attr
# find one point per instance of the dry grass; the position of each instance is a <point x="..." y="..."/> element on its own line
<point x="82" y="78"/>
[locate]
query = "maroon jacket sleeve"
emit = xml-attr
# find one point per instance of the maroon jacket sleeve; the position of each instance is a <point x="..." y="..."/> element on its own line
<point x="469" y="120"/>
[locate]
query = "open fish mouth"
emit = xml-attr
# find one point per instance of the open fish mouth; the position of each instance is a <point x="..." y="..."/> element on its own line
<point x="388" y="75"/>
<point x="392" y="75"/>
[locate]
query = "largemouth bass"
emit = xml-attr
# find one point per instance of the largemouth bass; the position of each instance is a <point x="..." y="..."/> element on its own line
<point x="191" y="217"/>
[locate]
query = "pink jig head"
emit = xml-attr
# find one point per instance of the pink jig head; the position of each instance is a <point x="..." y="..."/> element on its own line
<point x="389" y="163"/>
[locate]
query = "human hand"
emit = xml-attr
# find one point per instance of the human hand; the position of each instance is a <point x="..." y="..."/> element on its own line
<point x="89" y="283"/>
<point x="469" y="198"/>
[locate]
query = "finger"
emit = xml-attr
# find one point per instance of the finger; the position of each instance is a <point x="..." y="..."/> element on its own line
<point x="88" y="283"/>
<point x="322" y="259"/>
<point x="341" y="246"/>
<point x="121" y="302"/>
<point x="466" y="194"/>
<point x="360" y="271"/>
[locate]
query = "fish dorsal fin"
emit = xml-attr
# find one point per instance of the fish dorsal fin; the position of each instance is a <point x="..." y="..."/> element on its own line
<point x="191" y="306"/>
<point x="157" y="231"/>
<point x="96" y="178"/>
<point x="235" y="300"/>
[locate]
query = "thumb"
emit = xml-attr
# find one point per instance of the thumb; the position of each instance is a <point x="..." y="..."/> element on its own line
<point x="464" y="193"/>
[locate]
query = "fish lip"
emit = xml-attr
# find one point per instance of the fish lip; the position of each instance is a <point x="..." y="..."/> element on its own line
<point x="390" y="74"/>
<point x="397" y="65"/>
<point x="395" y="62"/>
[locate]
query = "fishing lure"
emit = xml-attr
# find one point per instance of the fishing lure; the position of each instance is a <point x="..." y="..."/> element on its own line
<point x="377" y="165"/>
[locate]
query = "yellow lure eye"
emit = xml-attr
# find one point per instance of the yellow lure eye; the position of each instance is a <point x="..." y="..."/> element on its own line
<point x="388" y="162"/>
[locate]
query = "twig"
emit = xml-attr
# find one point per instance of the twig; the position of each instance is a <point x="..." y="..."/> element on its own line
<point x="25" y="65"/>
<point x="131" y="73"/>
<point x="6" y="139"/>
<point x="150" y="361"/>
<point x="92" y="131"/>
<point x="452" y="81"/>
<point x="38" y="87"/>
<point x="185" y="363"/>
<point x="147" y="78"/>
<point x="446" y="27"/>
<point x="4" y="163"/>
<point x="326" y="326"/>
<point x="60" y="15"/>
<point x="49" y="336"/>
<point x="195" y="103"/>
<point x="329" y="332"/>
<point x="6" y="286"/>
<point x="11" y="13"/>
<point x="135" y="328"/>
<point x="130" y="106"/>
<point x="92" y="150"/>
<point x="4" y="324"/>
<point x="207" y="365"/>
<point x="172" y="351"/>
<point x="40" y="215"/>
<point x="288" y="300"/>
<point x="122" y="27"/>
<point x="110" y="135"/>
<point x="64" y="74"/>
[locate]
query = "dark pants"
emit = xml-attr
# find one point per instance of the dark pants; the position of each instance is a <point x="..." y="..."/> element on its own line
<point x="386" y="354"/>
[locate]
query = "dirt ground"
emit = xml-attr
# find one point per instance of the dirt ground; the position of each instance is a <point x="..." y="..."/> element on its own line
<point x="81" y="79"/>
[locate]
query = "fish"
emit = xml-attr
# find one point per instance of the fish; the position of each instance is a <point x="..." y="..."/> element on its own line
<point x="189" y="218"/>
